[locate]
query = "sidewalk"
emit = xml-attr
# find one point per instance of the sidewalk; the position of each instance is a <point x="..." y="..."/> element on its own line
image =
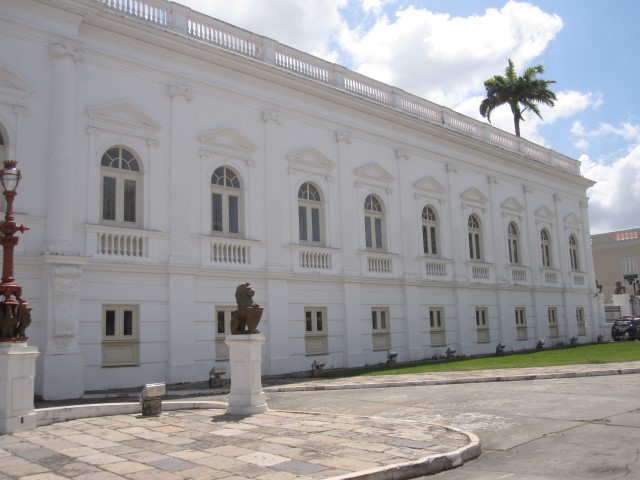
<point x="194" y="438"/>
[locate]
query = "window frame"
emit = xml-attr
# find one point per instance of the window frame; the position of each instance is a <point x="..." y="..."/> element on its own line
<point x="316" y="340"/>
<point x="381" y="331"/>
<point x="574" y="254"/>
<point x="226" y="192"/>
<point x="474" y="232"/>
<point x="546" y="248"/>
<point x="120" y="344"/>
<point x="374" y="224"/>
<point x="121" y="176"/>
<point x="437" y="327"/>
<point x="309" y="205"/>
<point x="482" y="324"/>
<point x="513" y="244"/>
<point x="521" y="323"/>
<point x="221" y="348"/>
<point x="552" y="317"/>
<point x="430" y="232"/>
<point x="582" y="326"/>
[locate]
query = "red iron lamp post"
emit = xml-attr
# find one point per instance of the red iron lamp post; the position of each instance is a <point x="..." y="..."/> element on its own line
<point x="11" y="311"/>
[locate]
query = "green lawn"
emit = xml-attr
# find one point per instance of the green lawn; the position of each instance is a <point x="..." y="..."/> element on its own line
<point x="581" y="354"/>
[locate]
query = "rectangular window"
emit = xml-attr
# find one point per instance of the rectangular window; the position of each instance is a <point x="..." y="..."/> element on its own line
<point x="130" y="201"/>
<point x="302" y="222"/>
<point x="108" y="198"/>
<point x="316" y="338"/>
<point x="120" y="337"/>
<point x="436" y="324"/>
<point x="217" y="220"/>
<point x="434" y="247"/>
<point x="315" y="225"/>
<point x="582" y="329"/>
<point x="552" y="315"/>
<point x="367" y="232"/>
<point x="482" y="325"/>
<point x="234" y="223"/>
<point x="521" y="323"/>
<point x="380" y="328"/>
<point x="378" y="225"/>
<point x="223" y="328"/>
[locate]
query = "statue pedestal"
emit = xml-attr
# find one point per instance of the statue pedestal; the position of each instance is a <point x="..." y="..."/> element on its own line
<point x="245" y="357"/>
<point x="17" y="376"/>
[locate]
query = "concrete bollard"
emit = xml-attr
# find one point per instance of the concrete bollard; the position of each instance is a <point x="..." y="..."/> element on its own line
<point x="151" y="398"/>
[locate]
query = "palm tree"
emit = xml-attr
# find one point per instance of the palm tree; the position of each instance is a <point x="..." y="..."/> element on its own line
<point x="520" y="93"/>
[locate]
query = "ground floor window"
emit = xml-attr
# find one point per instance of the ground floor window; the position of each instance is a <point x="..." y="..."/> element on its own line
<point x="552" y="315"/>
<point x="315" y="331"/>
<point x="380" y="328"/>
<point x="582" y="329"/>
<point x="223" y="328"/>
<point x="436" y="324"/>
<point x="120" y="335"/>
<point x="482" y="325"/>
<point x="521" y="323"/>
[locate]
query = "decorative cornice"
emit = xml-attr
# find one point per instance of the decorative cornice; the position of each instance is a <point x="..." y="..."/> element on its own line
<point x="342" y="136"/>
<point x="180" y="90"/>
<point x="271" y="116"/>
<point x="402" y="154"/>
<point x="60" y="50"/>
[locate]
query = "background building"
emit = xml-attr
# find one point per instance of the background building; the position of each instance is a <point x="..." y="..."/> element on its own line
<point x="168" y="157"/>
<point x="615" y="259"/>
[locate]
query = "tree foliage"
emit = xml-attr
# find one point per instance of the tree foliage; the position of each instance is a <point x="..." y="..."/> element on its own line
<point x="521" y="93"/>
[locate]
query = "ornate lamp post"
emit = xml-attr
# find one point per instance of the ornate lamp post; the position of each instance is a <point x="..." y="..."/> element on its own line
<point x="14" y="314"/>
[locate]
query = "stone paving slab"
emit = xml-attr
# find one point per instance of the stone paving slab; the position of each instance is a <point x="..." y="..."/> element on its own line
<point x="208" y="444"/>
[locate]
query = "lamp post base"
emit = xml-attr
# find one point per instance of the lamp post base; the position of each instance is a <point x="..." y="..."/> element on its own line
<point x="17" y="374"/>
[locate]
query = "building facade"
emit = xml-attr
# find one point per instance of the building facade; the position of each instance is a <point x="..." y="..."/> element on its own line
<point x="168" y="157"/>
<point x="615" y="259"/>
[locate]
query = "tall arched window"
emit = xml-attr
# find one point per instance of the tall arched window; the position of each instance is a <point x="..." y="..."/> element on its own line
<point x="545" y="244"/>
<point x="475" y="237"/>
<point x="226" y="196"/>
<point x="573" y="253"/>
<point x="513" y="241"/>
<point x="310" y="214"/>
<point x="373" y="223"/>
<point x="121" y="187"/>
<point x="430" y="234"/>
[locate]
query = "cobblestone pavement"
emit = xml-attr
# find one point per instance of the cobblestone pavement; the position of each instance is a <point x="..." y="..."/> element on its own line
<point x="205" y="443"/>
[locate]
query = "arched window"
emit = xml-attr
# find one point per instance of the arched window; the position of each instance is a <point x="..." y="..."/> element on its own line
<point x="573" y="253"/>
<point x="310" y="214"/>
<point x="373" y="223"/>
<point x="430" y="241"/>
<point x="513" y="241"/>
<point x="226" y="196"/>
<point x="121" y="187"/>
<point x="475" y="238"/>
<point x="545" y="244"/>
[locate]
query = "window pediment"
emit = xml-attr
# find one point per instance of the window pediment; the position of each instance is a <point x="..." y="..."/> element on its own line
<point x="310" y="160"/>
<point x="474" y="196"/>
<point x="123" y="118"/>
<point x="572" y="219"/>
<point x="12" y="87"/>
<point x="545" y="214"/>
<point x="511" y="205"/>
<point x="375" y="175"/>
<point x="429" y="186"/>
<point x="228" y="142"/>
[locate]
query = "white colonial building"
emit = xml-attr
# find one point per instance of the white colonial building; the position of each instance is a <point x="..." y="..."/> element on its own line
<point x="168" y="157"/>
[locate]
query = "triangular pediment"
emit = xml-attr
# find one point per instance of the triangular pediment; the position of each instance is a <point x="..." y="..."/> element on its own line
<point x="473" y="195"/>
<point x="228" y="139"/>
<point x="545" y="214"/>
<point x="122" y="117"/>
<point x="374" y="172"/>
<point x="311" y="158"/>
<point x="572" y="219"/>
<point x="429" y="185"/>
<point x="512" y="205"/>
<point x="12" y="84"/>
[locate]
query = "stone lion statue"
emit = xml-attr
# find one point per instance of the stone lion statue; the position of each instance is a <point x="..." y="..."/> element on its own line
<point x="619" y="288"/>
<point x="246" y="318"/>
<point x="8" y="321"/>
<point x="24" y="320"/>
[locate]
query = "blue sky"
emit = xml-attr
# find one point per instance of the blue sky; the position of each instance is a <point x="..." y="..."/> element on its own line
<point x="443" y="50"/>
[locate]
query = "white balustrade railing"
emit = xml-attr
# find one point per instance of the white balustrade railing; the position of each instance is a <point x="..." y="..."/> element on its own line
<point x="518" y="275"/>
<point x="122" y="245"/>
<point x="551" y="278"/>
<point x="435" y="268"/>
<point x="480" y="272"/>
<point x="578" y="280"/>
<point x="182" y="20"/>
<point x="229" y="252"/>
<point x="379" y="264"/>
<point x="315" y="260"/>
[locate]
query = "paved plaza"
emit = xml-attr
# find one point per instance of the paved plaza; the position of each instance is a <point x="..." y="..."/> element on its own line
<point x="367" y="427"/>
